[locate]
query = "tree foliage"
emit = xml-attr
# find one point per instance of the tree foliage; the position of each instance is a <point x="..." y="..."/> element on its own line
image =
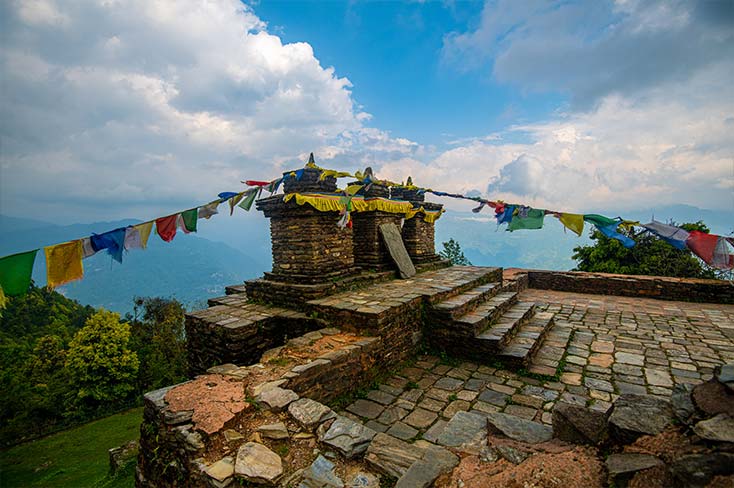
<point x="452" y="251"/>
<point x="650" y="256"/>
<point x="63" y="363"/>
<point x="101" y="364"/>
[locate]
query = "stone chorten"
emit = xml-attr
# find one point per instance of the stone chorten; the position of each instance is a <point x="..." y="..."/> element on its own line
<point x="418" y="234"/>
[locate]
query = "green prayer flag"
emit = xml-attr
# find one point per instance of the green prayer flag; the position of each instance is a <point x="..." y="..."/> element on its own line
<point x="533" y="220"/>
<point x="15" y="272"/>
<point x="246" y="202"/>
<point x="190" y="217"/>
<point x="599" y="220"/>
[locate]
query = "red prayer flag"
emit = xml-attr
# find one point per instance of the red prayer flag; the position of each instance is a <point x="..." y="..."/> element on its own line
<point x="166" y="227"/>
<point x="702" y="245"/>
<point x="256" y="183"/>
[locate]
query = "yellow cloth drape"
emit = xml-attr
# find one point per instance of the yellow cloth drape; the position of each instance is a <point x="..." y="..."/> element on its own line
<point x="64" y="263"/>
<point x="336" y="203"/>
<point x="336" y="174"/>
<point x="144" y="230"/>
<point x="573" y="222"/>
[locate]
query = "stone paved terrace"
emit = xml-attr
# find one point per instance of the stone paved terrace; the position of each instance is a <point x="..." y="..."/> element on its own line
<point x="617" y="345"/>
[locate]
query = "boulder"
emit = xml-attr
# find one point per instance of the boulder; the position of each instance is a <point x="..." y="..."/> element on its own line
<point x="309" y="413"/>
<point x="682" y="403"/>
<point x="462" y="428"/>
<point x="718" y="429"/>
<point x="518" y="429"/>
<point x="347" y="436"/>
<point x="277" y="430"/>
<point x="623" y="466"/>
<point x="694" y="470"/>
<point x="580" y="425"/>
<point x="392" y="456"/>
<point x="636" y="415"/>
<point x="257" y="464"/>
<point x="713" y="398"/>
<point x="320" y="474"/>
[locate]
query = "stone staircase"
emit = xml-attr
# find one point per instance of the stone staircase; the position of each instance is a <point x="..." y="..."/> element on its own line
<point x="488" y="323"/>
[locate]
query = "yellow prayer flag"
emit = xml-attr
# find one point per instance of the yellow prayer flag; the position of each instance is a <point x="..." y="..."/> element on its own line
<point x="64" y="263"/>
<point x="573" y="222"/>
<point x="144" y="229"/>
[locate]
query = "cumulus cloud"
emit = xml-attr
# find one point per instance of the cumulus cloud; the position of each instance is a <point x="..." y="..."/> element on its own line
<point x="590" y="50"/>
<point x="108" y="105"/>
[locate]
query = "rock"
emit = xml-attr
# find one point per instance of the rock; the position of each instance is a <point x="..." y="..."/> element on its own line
<point x="694" y="470"/>
<point x="320" y="474"/>
<point x="222" y="469"/>
<point x="579" y="425"/>
<point x="366" y="409"/>
<point x="713" y="398"/>
<point x="363" y="479"/>
<point x="392" y="456"/>
<point x="258" y="389"/>
<point x="277" y="398"/>
<point x="257" y="463"/>
<point x="682" y="403"/>
<point x="518" y="429"/>
<point x="119" y="456"/>
<point x="462" y="428"/>
<point x="177" y="418"/>
<point x="277" y="430"/>
<point x="623" y="466"/>
<point x="231" y="435"/>
<point x="309" y="413"/>
<point x="421" y="474"/>
<point x="515" y="456"/>
<point x="719" y="428"/>
<point x="725" y="374"/>
<point x="488" y="455"/>
<point x="636" y="415"/>
<point x="347" y="436"/>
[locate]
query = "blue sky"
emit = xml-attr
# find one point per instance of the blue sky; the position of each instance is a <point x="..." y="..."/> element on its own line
<point x="139" y="108"/>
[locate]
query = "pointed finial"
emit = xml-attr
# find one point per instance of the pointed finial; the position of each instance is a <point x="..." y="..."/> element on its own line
<point x="311" y="163"/>
<point x="409" y="182"/>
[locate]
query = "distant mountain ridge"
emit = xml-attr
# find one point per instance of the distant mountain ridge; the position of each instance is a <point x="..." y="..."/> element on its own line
<point x="190" y="268"/>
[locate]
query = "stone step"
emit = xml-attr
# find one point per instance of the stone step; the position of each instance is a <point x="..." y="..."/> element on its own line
<point x="486" y="313"/>
<point x="488" y="275"/>
<point x="520" y="350"/>
<point x="459" y="305"/>
<point x="501" y="332"/>
<point x="547" y="358"/>
<point x="235" y="289"/>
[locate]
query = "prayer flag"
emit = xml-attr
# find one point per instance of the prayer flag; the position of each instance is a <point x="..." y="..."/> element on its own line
<point x="505" y="216"/>
<point x="166" y="227"/>
<point x="710" y="248"/>
<point x="113" y="241"/>
<point x="527" y="218"/>
<point x="599" y="220"/>
<point x="611" y="232"/>
<point x="206" y="211"/>
<point x="257" y="183"/>
<point x="15" y="272"/>
<point x="87" y="248"/>
<point x="572" y="222"/>
<point x="675" y="236"/>
<point x="250" y="196"/>
<point x="234" y="201"/>
<point x="189" y="218"/>
<point x="64" y="263"/>
<point x="144" y="229"/>
<point x="132" y="239"/>
<point x="226" y="195"/>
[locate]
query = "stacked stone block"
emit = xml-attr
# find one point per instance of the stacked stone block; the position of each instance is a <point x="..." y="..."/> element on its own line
<point x="419" y="235"/>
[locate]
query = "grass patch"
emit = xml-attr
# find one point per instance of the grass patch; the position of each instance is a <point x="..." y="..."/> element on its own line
<point x="73" y="458"/>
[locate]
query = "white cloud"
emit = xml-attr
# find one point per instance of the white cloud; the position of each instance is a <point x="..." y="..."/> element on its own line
<point x="110" y="104"/>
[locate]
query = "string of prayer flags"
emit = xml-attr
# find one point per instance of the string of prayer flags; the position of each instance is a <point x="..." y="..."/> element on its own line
<point x="675" y="236"/>
<point x="166" y="227"/>
<point x="64" y="263"/>
<point x="527" y="218"/>
<point x="15" y="272"/>
<point x="113" y="241"/>
<point x="572" y="222"/>
<point x="206" y="211"/>
<point x="273" y="186"/>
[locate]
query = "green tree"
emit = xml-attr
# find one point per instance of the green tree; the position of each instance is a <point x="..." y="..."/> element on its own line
<point x="101" y="364"/>
<point x="159" y="338"/>
<point x="452" y="251"/>
<point x="650" y="256"/>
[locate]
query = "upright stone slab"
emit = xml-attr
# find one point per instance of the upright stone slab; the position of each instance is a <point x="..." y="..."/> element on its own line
<point x="394" y="243"/>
